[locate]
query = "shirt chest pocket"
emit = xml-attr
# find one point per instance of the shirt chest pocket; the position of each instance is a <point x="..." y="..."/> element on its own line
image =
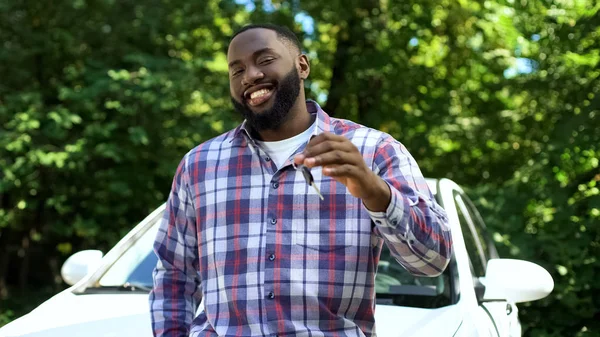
<point x="325" y="235"/>
<point x="333" y="224"/>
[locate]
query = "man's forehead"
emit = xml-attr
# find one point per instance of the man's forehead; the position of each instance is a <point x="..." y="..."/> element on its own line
<point x="252" y="40"/>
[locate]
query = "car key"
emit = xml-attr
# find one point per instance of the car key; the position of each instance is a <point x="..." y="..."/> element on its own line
<point x="309" y="179"/>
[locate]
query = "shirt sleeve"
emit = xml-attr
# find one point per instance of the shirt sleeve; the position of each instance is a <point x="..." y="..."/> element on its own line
<point x="175" y="295"/>
<point x="414" y="227"/>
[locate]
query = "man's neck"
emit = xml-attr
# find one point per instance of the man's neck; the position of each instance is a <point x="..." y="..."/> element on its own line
<point x="299" y="120"/>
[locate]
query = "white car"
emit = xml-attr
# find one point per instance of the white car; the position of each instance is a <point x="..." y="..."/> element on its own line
<point x="475" y="296"/>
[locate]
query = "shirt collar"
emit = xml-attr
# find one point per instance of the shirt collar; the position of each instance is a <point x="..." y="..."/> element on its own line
<point x="323" y="122"/>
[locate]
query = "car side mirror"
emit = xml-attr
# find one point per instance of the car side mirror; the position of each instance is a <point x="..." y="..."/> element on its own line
<point x="80" y="264"/>
<point x="515" y="281"/>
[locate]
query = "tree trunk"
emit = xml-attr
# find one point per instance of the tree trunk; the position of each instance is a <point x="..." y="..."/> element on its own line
<point x="4" y="260"/>
<point x="338" y="76"/>
<point x="353" y="34"/>
<point x="24" y="272"/>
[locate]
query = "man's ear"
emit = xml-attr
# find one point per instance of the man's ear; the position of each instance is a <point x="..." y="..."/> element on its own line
<point x="303" y="66"/>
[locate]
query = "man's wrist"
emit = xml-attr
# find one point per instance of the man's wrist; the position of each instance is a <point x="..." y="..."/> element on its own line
<point x="379" y="199"/>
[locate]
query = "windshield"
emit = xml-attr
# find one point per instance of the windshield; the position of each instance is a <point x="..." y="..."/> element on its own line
<point x="135" y="266"/>
<point x="394" y="285"/>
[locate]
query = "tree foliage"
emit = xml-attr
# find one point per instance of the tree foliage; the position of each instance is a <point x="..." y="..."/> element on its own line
<point x="100" y="99"/>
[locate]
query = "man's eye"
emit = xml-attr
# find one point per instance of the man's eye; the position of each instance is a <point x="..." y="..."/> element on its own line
<point x="236" y="72"/>
<point x="267" y="60"/>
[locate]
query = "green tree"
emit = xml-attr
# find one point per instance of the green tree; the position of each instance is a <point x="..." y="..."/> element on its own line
<point x="100" y="99"/>
<point x="554" y="193"/>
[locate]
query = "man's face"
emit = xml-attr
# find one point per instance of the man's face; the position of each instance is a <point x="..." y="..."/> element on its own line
<point x="264" y="80"/>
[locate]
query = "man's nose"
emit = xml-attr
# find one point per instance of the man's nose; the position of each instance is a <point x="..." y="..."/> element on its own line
<point x="252" y="75"/>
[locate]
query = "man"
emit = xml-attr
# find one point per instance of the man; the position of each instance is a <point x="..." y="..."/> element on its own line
<point x="245" y="232"/>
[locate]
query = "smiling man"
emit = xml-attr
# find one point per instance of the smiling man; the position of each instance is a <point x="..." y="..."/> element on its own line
<point x="269" y="254"/>
<point x="267" y="70"/>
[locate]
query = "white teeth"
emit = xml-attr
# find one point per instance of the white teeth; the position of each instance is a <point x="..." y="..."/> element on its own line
<point x="259" y="93"/>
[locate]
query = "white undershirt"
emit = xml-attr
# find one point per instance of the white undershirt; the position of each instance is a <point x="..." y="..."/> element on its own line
<point x="281" y="150"/>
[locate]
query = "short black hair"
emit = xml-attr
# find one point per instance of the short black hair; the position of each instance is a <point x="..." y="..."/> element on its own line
<point x="283" y="33"/>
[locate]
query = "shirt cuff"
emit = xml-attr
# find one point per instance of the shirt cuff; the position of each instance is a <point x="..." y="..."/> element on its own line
<point x="395" y="216"/>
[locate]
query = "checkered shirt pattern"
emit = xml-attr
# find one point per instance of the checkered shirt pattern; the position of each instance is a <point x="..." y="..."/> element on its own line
<point x="269" y="257"/>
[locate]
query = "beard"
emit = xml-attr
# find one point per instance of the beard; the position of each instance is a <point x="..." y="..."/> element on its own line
<point x="271" y="119"/>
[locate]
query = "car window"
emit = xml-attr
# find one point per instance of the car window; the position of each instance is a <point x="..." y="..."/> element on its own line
<point x="394" y="285"/>
<point x="475" y="248"/>
<point x="487" y="244"/>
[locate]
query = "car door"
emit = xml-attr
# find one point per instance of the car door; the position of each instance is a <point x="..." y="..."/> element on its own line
<point x="482" y="319"/>
<point x="503" y="315"/>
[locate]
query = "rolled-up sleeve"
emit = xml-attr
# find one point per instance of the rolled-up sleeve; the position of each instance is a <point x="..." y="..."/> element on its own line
<point x="414" y="227"/>
<point x="175" y="294"/>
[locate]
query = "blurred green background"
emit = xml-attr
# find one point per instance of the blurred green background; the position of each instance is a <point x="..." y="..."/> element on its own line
<point x="100" y="99"/>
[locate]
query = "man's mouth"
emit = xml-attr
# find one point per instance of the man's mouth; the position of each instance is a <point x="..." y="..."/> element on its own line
<point x="259" y="95"/>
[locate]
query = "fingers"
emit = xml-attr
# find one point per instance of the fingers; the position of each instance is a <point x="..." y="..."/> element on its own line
<point x="299" y="159"/>
<point x="328" y="149"/>
<point x="326" y="136"/>
<point x="327" y="142"/>
<point x="345" y="170"/>
<point x="335" y="157"/>
<point x="315" y="149"/>
<point x="340" y="160"/>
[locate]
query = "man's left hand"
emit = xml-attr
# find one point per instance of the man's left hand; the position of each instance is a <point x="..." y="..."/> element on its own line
<point x="342" y="161"/>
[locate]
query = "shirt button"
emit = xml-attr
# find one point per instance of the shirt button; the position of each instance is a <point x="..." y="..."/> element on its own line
<point x="272" y="257"/>
<point x="271" y="295"/>
<point x="273" y="221"/>
<point x="275" y="184"/>
<point x="268" y="158"/>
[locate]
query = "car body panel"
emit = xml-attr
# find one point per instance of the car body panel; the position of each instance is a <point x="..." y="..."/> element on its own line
<point x="68" y="314"/>
<point x="126" y="314"/>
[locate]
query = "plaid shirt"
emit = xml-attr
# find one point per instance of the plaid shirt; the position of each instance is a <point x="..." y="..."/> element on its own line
<point x="269" y="257"/>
